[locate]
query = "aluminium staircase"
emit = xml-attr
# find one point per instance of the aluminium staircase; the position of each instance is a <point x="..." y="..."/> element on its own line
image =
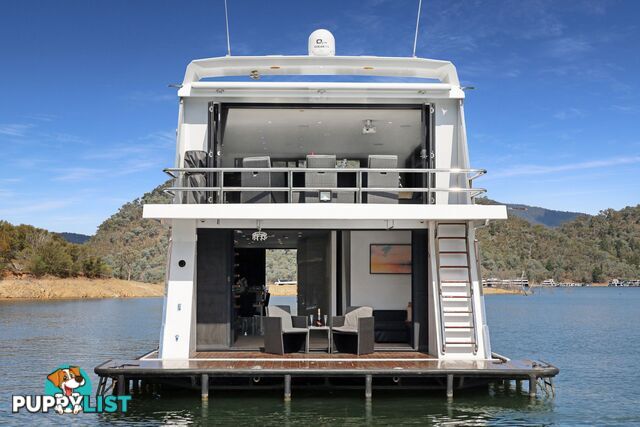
<point x="457" y="321"/>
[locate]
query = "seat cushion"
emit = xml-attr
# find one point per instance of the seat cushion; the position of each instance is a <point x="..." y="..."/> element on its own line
<point x="345" y="329"/>
<point x="275" y="311"/>
<point x="351" y="318"/>
<point x="295" y="330"/>
<point x="391" y="315"/>
<point x="392" y="336"/>
<point x="390" y="326"/>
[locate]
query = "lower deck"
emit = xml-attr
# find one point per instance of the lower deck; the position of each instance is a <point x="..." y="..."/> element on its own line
<point x="382" y="368"/>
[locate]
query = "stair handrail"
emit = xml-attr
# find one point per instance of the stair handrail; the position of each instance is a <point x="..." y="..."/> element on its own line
<point x="471" y="299"/>
<point x="440" y="310"/>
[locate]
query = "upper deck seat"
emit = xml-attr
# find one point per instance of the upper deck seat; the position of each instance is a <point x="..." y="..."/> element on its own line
<point x="323" y="180"/>
<point x="382" y="179"/>
<point x="194" y="159"/>
<point x="256" y="179"/>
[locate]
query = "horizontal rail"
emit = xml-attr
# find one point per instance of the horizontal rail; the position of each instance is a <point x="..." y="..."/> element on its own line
<point x="467" y="174"/>
<point x="476" y="172"/>
<point x="334" y="189"/>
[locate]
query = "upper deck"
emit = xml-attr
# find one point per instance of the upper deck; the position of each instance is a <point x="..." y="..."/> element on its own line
<point x="327" y="145"/>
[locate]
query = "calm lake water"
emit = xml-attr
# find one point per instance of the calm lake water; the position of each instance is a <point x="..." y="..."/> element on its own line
<point x="592" y="334"/>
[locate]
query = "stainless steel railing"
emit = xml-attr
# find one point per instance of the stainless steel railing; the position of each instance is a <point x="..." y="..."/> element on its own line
<point x="465" y="176"/>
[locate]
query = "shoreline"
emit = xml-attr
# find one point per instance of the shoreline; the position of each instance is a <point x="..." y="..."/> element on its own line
<point x="501" y="291"/>
<point x="75" y="288"/>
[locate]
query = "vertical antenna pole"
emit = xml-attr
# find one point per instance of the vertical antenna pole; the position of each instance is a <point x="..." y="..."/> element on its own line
<point x="226" y="21"/>
<point x="415" y="39"/>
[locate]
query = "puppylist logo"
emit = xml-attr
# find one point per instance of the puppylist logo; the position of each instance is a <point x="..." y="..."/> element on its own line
<point x="67" y="390"/>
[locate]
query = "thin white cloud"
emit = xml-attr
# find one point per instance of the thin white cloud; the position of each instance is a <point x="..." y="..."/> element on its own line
<point x="569" y="113"/>
<point x="42" y="206"/>
<point x="15" y="129"/>
<point x="149" y="96"/>
<point x="568" y="47"/>
<point x="78" y="174"/>
<point x="524" y="170"/>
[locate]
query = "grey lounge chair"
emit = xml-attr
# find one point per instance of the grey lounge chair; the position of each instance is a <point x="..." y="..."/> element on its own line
<point x="354" y="332"/>
<point x="284" y="333"/>
<point x="194" y="159"/>
<point x="382" y="179"/>
<point x="324" y="180"/>
<point x="256" y="179"/>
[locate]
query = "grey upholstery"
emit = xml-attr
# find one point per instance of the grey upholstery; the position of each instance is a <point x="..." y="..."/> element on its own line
<point x="256" y="179"/>
<point x="354" y="332"/>
<point x="382" y="179"/>
<point x="328" y="180"/>
<point x="284" y="333"/>
<point x="194" y="159"/>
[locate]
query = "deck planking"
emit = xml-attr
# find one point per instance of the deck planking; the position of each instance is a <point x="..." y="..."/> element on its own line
<point x="253" y="363"/>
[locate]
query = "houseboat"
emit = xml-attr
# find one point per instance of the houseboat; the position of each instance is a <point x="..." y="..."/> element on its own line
<point x="368" y="182"/>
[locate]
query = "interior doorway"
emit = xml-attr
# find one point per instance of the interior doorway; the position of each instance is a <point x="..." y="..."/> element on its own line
<point x="290" y="269"/>
<point x="281" y="276"/>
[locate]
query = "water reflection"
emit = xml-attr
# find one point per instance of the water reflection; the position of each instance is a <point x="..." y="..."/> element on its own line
<point x="580" y="330"/>
<point x="339" y="408"/>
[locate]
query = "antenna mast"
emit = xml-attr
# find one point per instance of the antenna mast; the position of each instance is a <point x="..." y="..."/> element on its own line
<point x="415" y="39"/>
<point x="226" y="21"/>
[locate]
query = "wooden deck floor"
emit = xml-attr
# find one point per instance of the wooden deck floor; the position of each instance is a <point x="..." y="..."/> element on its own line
<point x="252" y="363"/>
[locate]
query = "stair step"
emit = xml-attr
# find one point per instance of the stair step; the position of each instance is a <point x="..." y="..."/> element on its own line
<point x="456" y="296"/>
<point x="459" y="341"/>
<point x="454" y="266"/>
<point x="458" y="327"/>
<point x="451" y="238"/>
<point x="455" y="312"/>
<point x="454" y="281"/>
<point x="455" y="284"/>
<point x="452" y="252"/>
<point x="451" y="294"/>
<point x="459" y="344"/>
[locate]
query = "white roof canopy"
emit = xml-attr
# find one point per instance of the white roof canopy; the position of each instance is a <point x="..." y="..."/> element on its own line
<point x="229" y="66"/>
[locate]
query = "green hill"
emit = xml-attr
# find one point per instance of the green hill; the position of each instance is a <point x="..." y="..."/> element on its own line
<point x="74" y="237"/>
<point x="584" y="249"/>
<point x="534" y="214"/>
<point x="135" y="248"/>
<point x="542" y="216"/>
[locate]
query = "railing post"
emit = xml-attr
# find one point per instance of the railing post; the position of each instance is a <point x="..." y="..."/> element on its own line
<point x="429" y="176"/>
<point x="359" y="184"/>
<point x="221" y="183"/>
<point x="290" y="182"/>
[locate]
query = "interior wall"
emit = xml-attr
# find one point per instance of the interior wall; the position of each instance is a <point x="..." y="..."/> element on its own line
<point x="380" y="291"/>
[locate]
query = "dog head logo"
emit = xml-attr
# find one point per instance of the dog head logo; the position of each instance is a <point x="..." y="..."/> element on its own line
<point x="67" y="380"/>
<point x="68" y="384"/>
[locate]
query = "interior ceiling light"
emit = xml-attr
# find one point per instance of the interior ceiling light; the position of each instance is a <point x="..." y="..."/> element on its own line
<point x="259" y="236"/>
<point x="368" y="127"/>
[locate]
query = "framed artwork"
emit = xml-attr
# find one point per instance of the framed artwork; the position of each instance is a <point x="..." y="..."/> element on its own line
<point x="391" y="258"/>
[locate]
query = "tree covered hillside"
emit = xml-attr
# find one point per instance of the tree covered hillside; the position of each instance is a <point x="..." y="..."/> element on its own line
<point x="586" y="249"/>
<point x="577" y="251"/>
<point x="135" y="248"/>
<point x="25" y="249"/>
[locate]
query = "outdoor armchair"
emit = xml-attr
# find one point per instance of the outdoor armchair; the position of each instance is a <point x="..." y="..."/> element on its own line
<point x="353" y="332"/>
<point x="284" y="333"/>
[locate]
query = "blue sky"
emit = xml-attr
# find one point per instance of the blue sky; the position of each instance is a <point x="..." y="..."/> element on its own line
<point x="87" y="120"/>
